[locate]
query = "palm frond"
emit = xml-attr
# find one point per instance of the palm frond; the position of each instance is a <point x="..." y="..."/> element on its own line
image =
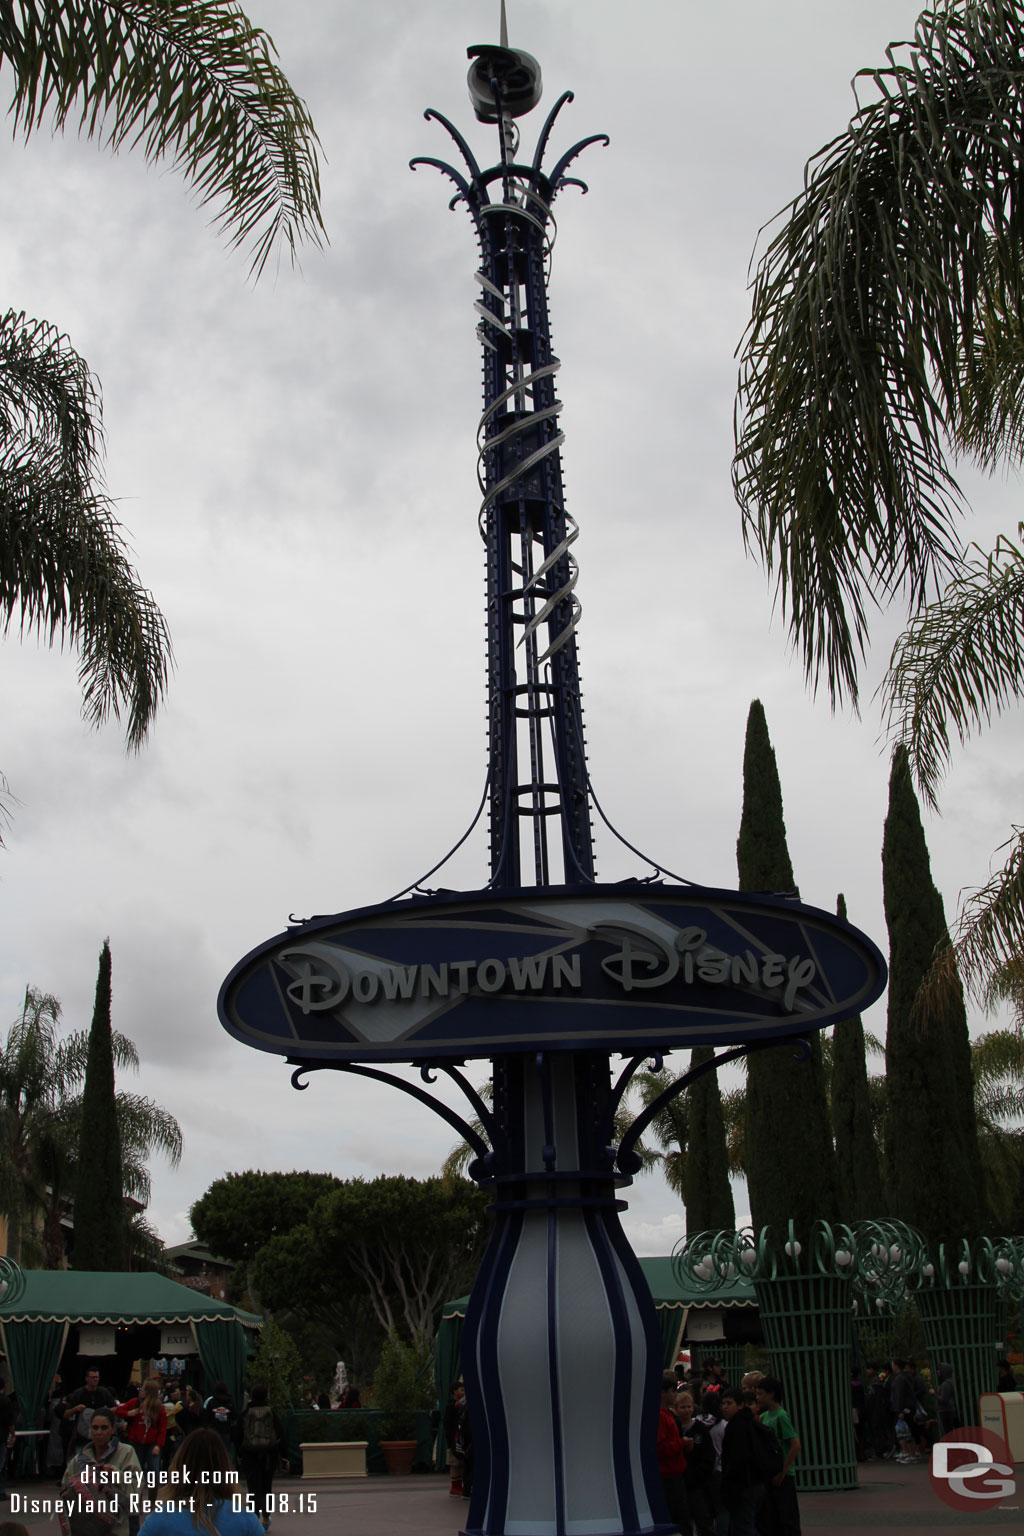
<point x="958" y="663"/>
<point x="48" y="396"/>
<point x="194" y="82"/>
<point x="65" y="573"/>
<point x="1006" y="985"/>
<point x="989" y="422"/>
<point x="997" y="1058"/>
<point x="866" y="306"/>
<point x="135" y="1179"/>
<point x="72" y="1054"/>
<point x="670" y="1125"/>
<point x="145" y="1128"/>
<point x="989" y="934"/>
<point x="734" y="1114"/>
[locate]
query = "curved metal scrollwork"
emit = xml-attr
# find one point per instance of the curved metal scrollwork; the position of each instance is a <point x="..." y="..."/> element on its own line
<point x="465" y="1130"/>
<point x="12" y="1281"/>
<point x="878" y="1257"/>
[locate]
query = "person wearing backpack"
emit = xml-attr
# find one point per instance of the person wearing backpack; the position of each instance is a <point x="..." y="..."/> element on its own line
<point x="261" y="1444"/>
<point x="780" y="1513"/>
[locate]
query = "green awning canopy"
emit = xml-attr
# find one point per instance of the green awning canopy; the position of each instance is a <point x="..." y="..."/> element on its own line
<point x="92" y="1296"/>
<point x="34" y="1328"/>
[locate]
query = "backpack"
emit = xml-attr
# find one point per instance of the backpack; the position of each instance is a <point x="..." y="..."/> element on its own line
<point x="766" y="1454"/>
<point x="700" y="1460"/>
<point x="258" y="1431"/>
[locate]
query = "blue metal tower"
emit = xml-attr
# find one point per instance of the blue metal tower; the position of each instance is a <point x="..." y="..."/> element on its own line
<point x="537" y="758"/>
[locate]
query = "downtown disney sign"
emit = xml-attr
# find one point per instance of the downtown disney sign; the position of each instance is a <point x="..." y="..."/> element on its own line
<point x="632" y="967"/>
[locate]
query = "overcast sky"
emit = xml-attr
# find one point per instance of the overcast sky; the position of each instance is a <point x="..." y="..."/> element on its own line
<point x="295" y="463"/>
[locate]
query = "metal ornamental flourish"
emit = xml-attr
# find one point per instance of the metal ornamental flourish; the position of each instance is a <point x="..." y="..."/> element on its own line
<point x="996" y="1262"/>
<point x="878" y="1255"/>
<point x="12" y="1281"/>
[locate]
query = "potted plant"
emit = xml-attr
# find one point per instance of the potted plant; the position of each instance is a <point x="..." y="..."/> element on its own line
<point x="403" y="1384"/>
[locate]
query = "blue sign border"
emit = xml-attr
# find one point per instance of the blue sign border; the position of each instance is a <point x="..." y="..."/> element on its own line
<point x="633" y="967"/>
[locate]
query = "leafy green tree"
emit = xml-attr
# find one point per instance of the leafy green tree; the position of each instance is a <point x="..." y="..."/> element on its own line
<point x="242" y="1212"/>
<point x="931" y="1120"/>
<point x="275" y="1364"/>
<point x="857" y="1166"/>
<point x="403" y="1245"/>
<point x="403" y="1382"/>
<point x="100" y="1220"/>
<point x="887" y="341"/>
<point x="196" y="84"/>
<point x="790" y="1159"/>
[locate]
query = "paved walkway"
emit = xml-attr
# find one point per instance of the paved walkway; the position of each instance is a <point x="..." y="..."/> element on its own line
<point x="889" y="1498"/>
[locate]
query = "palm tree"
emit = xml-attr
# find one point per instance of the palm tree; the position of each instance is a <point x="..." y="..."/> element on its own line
<point x="997" y="1064"/>
<point x="197" y="84"/>
<point x="887" y="339"/>
<point x="41" y="1075"/>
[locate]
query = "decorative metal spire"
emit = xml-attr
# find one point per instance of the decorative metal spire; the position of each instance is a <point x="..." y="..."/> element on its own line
<point x="537" y="756"/>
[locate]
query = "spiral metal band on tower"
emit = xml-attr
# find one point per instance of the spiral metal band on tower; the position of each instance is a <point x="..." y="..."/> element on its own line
<point x="537" y="754"/>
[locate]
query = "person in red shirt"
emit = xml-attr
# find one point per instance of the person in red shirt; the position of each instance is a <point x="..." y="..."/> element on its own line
<point x="672" y="1448"/>
<point x="147" y="1425"/>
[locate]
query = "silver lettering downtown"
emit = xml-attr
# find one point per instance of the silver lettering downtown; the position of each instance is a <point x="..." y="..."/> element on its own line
<point x="642" y="960"/>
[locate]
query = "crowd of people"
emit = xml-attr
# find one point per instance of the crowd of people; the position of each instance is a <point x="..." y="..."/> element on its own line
<point x="98" y="1447"/>
<point x="727" y="1455"/>
<point x="897" y="1416"/>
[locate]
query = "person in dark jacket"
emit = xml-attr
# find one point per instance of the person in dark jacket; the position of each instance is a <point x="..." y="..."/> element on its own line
<point x="741" y="1490"/>
<point x="82" y="1404"/>
<point x="700" y="1464"/>
<point x="261" y="1445"/>
<point x="945" y="1400"/>
<point x="877" y="1415"/>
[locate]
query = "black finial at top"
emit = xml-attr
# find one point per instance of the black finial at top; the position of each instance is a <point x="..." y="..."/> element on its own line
<point x="515" y="73"/>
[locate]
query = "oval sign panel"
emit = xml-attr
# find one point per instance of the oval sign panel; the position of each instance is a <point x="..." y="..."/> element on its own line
<point x="628" y="968"/>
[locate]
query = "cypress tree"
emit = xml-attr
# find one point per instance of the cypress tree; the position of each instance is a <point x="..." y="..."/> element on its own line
<point x="100" y="1222"/>
<point x="709" y="1203"/>
<point x="857" y="1168"/>
<point x="934" y="1167"/>
<point x="790" y="1159"/>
